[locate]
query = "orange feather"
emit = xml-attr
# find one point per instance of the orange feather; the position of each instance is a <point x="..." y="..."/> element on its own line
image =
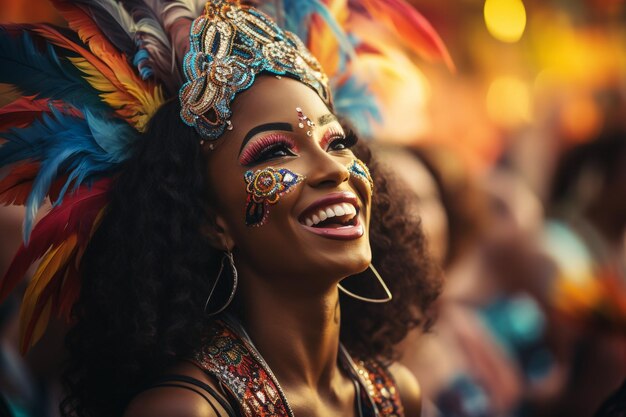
<point x="322" y="42"/>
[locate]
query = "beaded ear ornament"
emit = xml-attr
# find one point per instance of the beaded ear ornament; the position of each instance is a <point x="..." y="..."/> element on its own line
<point x="265" y="187"/>
<point x="229" y="45"/>
<point x="362" y="172"/>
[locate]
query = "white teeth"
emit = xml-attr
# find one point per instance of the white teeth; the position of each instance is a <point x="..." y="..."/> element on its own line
<point x="332" y="211"/>
<point x="339" y="211"/>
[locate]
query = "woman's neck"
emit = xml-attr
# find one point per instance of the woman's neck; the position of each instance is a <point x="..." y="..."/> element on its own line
<point x="298" y="336"/>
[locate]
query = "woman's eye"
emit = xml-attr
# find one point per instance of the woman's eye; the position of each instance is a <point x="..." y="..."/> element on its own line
<point x="341" y="143"/>
<point x="275" y="151"/>
<point x="337" y="145"/>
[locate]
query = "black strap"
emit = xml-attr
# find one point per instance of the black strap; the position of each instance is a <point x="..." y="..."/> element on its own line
<point x="170" y="381"/>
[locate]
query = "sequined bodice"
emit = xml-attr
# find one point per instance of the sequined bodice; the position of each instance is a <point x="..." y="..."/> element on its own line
<point x="231" y="358"/>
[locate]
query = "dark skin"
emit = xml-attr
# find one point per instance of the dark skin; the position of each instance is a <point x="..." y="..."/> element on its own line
<point x="285" y="270"/>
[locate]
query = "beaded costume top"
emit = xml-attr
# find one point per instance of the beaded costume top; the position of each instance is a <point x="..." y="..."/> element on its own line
<point x="231" y="358"/>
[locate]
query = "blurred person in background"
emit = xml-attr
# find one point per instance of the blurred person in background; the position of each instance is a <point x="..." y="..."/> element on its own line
<point x="488" y="354"/>
<point x="585" y="237"/>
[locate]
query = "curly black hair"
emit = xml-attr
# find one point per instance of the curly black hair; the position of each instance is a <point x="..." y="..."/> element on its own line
<point x="148" y="270"/>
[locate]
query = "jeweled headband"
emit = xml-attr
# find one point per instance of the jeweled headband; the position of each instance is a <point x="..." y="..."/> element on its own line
<point x="229" y="45"/>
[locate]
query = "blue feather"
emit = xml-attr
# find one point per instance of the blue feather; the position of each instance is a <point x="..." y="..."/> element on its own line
<point x="83" y="149"/>
<point x="354" y="101"/>
<point x="141" y="60"/>
<point x="42" y="73"/>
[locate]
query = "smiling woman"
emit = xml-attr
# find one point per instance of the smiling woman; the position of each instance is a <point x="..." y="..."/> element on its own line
<point x="232" y="270"/>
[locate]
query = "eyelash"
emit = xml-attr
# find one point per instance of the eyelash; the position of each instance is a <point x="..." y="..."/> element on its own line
<point x="260" y="150"/>
<point x="334" y="136"/>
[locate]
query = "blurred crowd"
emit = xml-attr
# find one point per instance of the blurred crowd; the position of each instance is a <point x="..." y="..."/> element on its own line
<point x="516" y="164"/>
<point x="532" y="319"/>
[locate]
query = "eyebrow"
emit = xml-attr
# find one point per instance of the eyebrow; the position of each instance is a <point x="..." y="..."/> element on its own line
<point x="264" y="128"/>
<point x="326" y="119"/>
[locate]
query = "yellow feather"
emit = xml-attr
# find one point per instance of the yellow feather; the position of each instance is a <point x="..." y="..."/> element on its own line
<point x="55" y="259"/>
<point x="39" y="329"/>
<point x="135" y="104"/>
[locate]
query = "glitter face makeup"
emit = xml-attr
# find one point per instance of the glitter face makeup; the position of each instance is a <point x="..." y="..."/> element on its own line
<point x="265" y="187"/>
<point x="304" y="121"/>
<point x="360" y="171"/>
<point x="263" y="147"/>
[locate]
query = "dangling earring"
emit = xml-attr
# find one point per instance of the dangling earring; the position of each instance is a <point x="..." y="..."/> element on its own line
<point x="228" y="255"/>
<point x="370" y="300"/>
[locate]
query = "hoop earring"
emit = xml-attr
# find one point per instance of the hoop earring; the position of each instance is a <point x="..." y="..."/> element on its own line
<point x="228" y="255"/>
<point x="366" y="299"/>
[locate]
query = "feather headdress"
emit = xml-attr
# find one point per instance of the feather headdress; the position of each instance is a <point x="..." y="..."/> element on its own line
<point x="86" y="93"/>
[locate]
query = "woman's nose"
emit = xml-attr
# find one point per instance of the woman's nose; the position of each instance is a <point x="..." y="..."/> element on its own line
<point x="327" y="170"/>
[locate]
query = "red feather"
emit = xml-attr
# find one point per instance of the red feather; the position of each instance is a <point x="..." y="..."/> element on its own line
<point x="23" y="111"/>
<point x="75" y="216"/>
<point x="410" y="26"/>
<point x="16" y="185"/>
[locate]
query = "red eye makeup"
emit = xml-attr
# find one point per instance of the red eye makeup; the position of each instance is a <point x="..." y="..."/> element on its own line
<point x="258" y="149"/>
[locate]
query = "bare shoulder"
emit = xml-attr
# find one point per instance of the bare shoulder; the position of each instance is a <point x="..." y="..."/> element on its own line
<point x="410" y="393"/>
<point x="179" y="399"/>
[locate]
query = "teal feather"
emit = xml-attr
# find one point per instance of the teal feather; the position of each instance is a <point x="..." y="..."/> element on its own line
<point x="65" y="145"/>
<point x="354" y="101"/>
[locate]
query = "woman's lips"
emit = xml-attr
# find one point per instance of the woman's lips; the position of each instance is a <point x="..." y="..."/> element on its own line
<point x="344" y="207"/>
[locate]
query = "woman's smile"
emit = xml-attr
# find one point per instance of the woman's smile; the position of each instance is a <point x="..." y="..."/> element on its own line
<point x="334" y="216"/>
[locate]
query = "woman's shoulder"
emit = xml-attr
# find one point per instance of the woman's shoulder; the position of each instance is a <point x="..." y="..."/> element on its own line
<point x="408" y="388"/>
<point x="183" y="391"/>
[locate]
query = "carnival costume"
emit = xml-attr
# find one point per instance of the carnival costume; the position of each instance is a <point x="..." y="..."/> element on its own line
<point x="88" y="92"/>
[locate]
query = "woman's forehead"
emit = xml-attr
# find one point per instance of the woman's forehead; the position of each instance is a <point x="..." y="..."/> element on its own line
<point x="271" y="99"/>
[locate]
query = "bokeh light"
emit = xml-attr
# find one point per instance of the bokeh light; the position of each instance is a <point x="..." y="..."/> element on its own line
<point x="505" y="19"/>
<point x="508" y="102"/>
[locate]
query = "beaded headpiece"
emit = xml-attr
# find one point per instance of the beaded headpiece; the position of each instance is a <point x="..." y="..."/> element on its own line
<point x="229" y="45"/>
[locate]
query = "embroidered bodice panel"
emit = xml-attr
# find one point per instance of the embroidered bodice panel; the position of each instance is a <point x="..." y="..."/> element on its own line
<point x="231" y="358"/>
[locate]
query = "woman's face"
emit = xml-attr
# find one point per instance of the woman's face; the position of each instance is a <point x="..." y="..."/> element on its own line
<point x="282" y="124"/>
